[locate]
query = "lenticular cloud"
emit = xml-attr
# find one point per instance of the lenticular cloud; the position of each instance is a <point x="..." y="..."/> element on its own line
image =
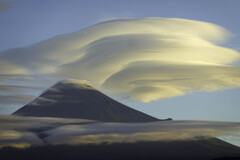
<point x="146" y="59"/>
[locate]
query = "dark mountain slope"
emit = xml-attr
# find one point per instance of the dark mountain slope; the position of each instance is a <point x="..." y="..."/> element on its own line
<point x="77" y="99"/>
<point x="202" y="149"/>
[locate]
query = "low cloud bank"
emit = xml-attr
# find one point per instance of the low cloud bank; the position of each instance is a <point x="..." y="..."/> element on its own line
<point x="26" y="131"/>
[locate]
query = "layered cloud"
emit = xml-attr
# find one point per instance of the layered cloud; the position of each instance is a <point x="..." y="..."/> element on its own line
<point x="27" y="131"/>
<point x="16" y="90"/>
<point x="146" y="59"/>
<point x="157" y="79"/>
<point x="23" y="132"/>
<point x="15" y="99"/>
<point x="156" y="131"/>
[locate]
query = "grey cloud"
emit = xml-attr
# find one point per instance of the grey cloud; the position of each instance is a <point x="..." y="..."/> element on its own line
<point x="18" y="139"/>
<point x="14" y="129"/>
<point x="14" y="87"/>
<point x="157" y="131"/>
<point x="21" y="132"/>
<point x="8" y="122"/>
<point x="16" y="99"/>
<point x="25" y="78"/>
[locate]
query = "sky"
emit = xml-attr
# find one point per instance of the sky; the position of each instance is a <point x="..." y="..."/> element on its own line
<point x="166" y="80"/>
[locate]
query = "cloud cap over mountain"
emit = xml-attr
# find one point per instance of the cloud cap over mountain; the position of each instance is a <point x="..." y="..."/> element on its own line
<point x="146" y="59"/>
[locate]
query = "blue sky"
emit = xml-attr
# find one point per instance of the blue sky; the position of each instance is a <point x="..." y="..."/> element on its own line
<point x="26" y="22"/>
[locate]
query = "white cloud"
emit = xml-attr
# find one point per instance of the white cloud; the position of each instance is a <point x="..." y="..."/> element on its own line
<point x="156" y="79"/>
<point x="147" y="59"/>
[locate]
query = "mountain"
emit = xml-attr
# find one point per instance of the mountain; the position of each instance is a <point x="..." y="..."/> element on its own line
<point x="78" y="99"/>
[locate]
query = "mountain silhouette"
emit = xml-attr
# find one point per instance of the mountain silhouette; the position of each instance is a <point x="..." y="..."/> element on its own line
<point x="78" y="99"/>
<point x="202" y="149"/>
